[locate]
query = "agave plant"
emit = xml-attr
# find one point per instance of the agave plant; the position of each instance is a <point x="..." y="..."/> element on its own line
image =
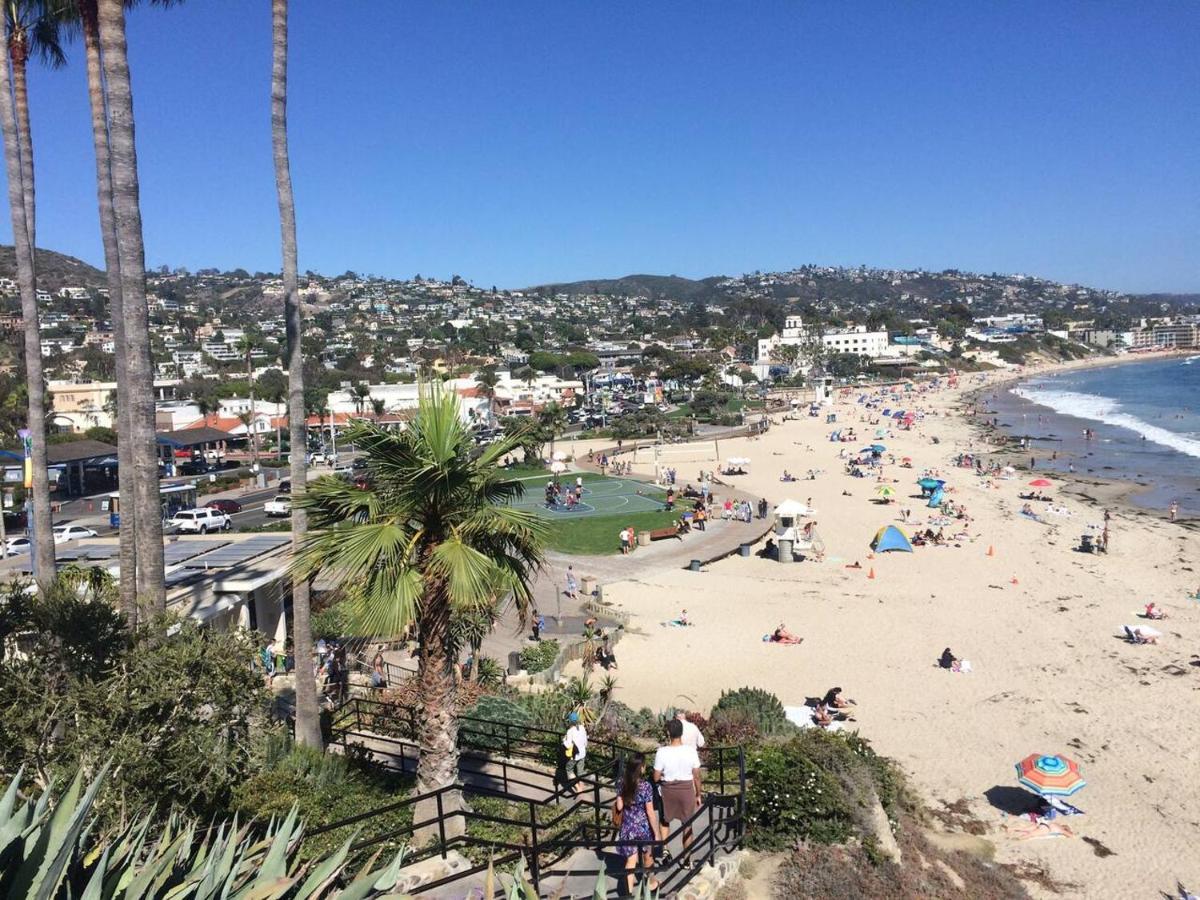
<point x="47" y="851"/>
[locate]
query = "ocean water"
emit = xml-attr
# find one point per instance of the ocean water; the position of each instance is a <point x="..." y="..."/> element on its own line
<point x="1145" y="419"/>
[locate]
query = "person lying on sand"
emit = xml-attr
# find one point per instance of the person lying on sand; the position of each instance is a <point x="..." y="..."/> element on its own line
<point x="1140" y="636"/>
<point x="1153" y="612"/>
<point x="782" y="636"/>
<point x="821" y="716"/>
<point x="833" y="699"/>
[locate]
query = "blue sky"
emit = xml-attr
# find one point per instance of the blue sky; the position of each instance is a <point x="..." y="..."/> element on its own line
<point x="518" y="142"/>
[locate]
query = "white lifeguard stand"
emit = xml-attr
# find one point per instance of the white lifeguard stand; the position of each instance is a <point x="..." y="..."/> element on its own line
<point x="823" y="390"/>
<point x="789" y="529"/>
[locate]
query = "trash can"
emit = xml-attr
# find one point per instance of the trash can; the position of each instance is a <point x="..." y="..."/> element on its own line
<point x="587" y="584"/>
<point x="643" y="539"/>
<point x="744" y="550"/>
<point x="695" y="566"/>
<point x="514" y="662"/>
<point x="785" y="551"/>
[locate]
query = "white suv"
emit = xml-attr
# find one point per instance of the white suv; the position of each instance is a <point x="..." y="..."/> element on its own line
<point x="200" y="521"/>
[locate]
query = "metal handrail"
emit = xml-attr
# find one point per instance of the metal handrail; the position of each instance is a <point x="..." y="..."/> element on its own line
<point x="723" y="809"/>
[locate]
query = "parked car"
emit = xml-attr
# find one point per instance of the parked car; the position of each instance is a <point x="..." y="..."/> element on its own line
<point x="360" y="462"/>
<point x="200" y="521"/>
<point x="280" y="507"/>
<point x="285" y="486"/>
<point x="229" y="507"/>
<point x="17" y="545"/>
<point x="64" y="533"/>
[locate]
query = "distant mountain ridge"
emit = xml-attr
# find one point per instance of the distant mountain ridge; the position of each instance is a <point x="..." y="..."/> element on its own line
<point x="674" y="286"/>
<point x="54" y="270"/>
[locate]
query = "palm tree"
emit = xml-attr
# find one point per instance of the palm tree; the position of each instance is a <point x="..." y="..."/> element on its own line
<point x="31" y="28"/>
<point x="308" y="715"/>
<point x="127" y="214"/>
<point x="378" y="406"/>
<point x="434" y="534"/>
<point x="554" y="420"/>
<point x="486" y="379"/>
<point x="22" y="227"/>
<point x="90" y="27"/>
<point x="361" y="394"/>
<point x="246" y="345"/>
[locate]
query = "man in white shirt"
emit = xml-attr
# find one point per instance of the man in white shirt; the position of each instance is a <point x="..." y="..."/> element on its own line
<point x="691" y="733"/>
<point x="575" y="743"/>
<point x="677" y="770"/>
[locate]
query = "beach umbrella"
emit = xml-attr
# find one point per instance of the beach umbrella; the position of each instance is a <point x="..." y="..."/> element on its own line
<point x="878" y="448"/>
<point x="880" y="432"/>
<point x="1040" y="482"/>
<point x="558" y="466"/>
<point x="559" y="456"/>
<point x="906" y="459"/>
<point x="885" y="490"/>
<point x="1050" y="775"/>
<point x="929" y="482"/>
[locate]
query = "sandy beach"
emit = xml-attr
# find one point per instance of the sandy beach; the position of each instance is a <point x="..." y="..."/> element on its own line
<point x="1039" y="622"/>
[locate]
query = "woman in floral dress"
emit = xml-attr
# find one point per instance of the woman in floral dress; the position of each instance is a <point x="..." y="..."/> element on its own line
<point x="639" y="821"/>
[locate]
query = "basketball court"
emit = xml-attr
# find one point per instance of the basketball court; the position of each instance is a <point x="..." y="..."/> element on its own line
<point x="602" y="496"/>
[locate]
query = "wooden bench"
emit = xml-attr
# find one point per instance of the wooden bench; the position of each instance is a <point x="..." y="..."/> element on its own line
<point x="660" y="534"/>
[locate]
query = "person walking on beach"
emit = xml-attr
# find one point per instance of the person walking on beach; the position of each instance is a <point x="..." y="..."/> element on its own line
<point x="1174" y="509"/>
<point x="677" y="770"/>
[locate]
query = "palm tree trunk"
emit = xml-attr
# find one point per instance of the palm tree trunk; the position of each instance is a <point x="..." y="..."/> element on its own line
<point x="437" y="721"/>
<point x="308" y="716"/>
<point x="20" y="84"/>
<point x="112" y="266"/>
<point x="151" y="587"/>
<point x="43" y="548"/>
<point x="253" y="424"/>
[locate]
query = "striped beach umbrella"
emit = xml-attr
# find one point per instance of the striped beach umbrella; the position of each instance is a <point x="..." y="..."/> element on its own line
<point x="885" y="490"/>
<point x="1050" y="774"/>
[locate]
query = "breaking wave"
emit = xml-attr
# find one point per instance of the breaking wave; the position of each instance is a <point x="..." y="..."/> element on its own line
<point x="1108" y="411"/>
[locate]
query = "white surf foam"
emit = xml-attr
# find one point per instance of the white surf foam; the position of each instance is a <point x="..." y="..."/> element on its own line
<point x="1108" y="411"/>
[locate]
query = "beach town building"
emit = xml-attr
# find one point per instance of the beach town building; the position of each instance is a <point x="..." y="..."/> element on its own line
<point x="80" y="405"/>
<point x="856" y="340"/>
<point x="1179" y="334"/>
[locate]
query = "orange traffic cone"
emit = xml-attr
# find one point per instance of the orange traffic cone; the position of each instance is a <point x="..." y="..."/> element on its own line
<point x="871" y="574"/>
<point x="991" y="550"/>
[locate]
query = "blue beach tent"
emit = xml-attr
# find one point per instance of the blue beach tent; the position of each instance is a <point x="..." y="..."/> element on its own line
<point x="890" y="538"/>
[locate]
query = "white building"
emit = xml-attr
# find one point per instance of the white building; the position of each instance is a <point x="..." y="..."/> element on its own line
<point x="856" y="340"/>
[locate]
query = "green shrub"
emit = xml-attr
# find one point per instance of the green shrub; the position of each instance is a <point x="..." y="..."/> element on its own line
<point x="499" y="711"/>
<point x="491" y="673"/>
<point x="331" y="622"/>
<point x="789" y="797"/>
<point x="762" y="707"/>
<point x="326" y="789"/>
<point x="540" y="656"/>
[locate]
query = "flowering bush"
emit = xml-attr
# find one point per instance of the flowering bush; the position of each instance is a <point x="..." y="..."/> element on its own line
<point x="789" y="797"/>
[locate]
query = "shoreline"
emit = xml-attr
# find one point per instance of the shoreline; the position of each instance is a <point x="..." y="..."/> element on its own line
<point x="1040" y="622"/>
<point x="1115" y="493"/>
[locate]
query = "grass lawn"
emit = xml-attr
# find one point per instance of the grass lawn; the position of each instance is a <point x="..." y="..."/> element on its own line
<point x="597" y="535"/>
